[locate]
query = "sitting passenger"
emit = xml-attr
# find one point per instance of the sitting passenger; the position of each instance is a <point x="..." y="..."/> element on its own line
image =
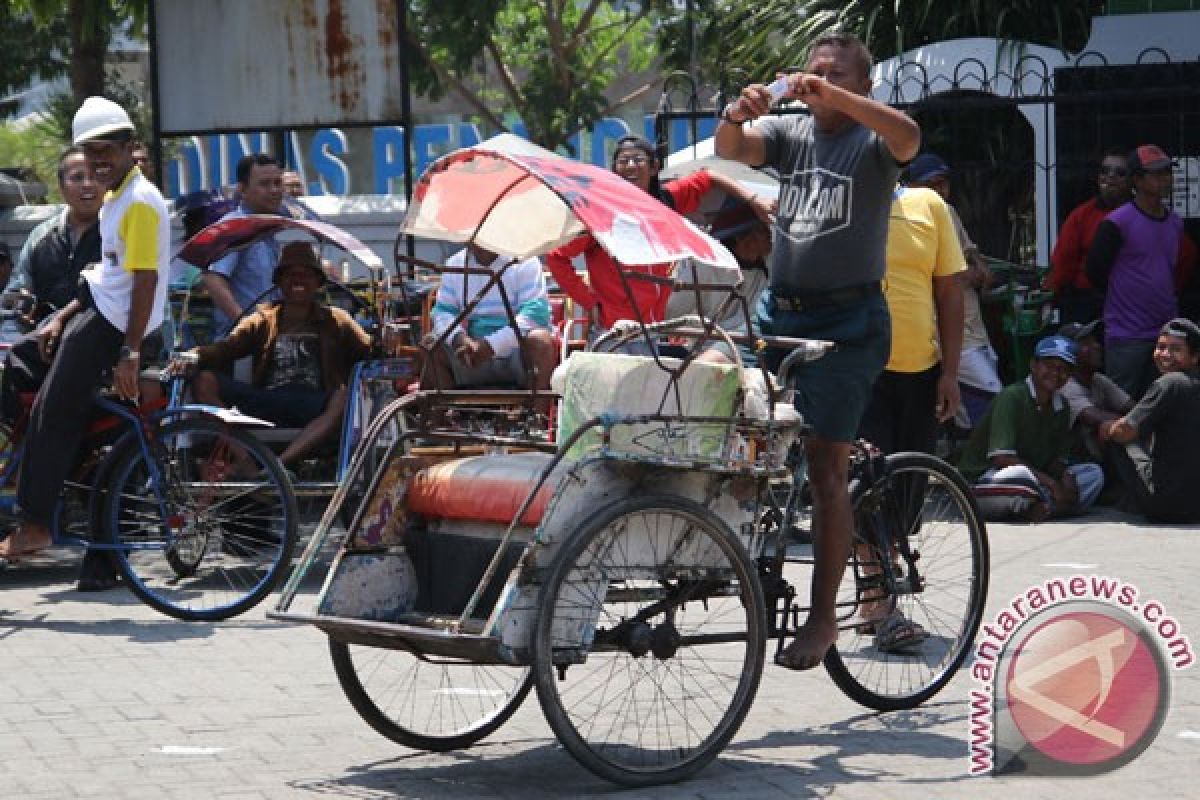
<point x="1093" y="397"/>
<point x="1025" y="437"/>
<point x="748" y="238"/>
<point x="1155" y="448"/>
<point x="486" y="351"/>
<point x="303" y="353"/>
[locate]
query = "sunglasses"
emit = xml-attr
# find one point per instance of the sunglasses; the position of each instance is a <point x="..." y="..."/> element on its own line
<point x="1118" y="172"/>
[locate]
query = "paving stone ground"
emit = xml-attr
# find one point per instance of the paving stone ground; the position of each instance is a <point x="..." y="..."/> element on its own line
<point x="103" y="698"/>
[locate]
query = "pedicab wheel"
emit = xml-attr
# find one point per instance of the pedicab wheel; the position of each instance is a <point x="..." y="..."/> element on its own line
<point x="926" y="501"/>
<point x="428" y="704"/>
<point x="207" y="545"/>
<point x="649" y="642"/>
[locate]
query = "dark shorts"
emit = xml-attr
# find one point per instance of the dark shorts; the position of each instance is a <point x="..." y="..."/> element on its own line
<point x="902" y="414"/>
<point x="832" y="392"/>
<point x="286" y="406"/>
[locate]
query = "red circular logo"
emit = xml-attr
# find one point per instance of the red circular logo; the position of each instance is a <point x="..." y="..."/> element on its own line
<point x="1086" y="688"/>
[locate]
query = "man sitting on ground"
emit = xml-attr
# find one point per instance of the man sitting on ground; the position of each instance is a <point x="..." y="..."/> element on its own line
<point x="1161" y="476"/>
<point x="303" y="353"/>
<point x="1025" y="437"/>
<point x="487" y="351"/>
<point x="1091" y="396"/>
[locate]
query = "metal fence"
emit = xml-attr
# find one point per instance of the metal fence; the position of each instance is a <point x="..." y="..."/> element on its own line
<point x="1024" y="142"/>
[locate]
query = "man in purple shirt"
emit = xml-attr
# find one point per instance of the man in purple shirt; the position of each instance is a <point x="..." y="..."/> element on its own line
<point x="1133" y="260"/>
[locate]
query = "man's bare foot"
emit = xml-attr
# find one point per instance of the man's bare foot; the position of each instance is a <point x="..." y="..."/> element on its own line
<point x="26" y="540"/>
<point x="812" y="641"/>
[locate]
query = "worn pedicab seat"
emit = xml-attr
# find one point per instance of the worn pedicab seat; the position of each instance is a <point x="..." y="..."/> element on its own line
<point x="486" y="488"/>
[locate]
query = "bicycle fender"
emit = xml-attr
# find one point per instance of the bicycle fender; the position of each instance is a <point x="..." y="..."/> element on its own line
<point x="228" y="416"/>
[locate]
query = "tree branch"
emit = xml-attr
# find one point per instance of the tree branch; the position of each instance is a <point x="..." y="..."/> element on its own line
<point x="506" y="78"/>
<point x="617" y="41"/>
<point x="629" y="98"/>
<point x="554" y="31"/>
<point x="455" y="84"/>
<point x="585" y="21"/>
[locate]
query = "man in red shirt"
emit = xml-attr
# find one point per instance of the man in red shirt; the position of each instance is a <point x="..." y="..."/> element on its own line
<point x="603" y="295"/>
<point x="1077" y="299"/>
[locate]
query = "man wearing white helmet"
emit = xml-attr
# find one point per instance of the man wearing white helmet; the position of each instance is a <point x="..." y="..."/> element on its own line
<point x="101" y="330"/>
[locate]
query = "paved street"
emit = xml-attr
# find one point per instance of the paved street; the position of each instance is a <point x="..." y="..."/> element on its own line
<point x="104" y="698"/>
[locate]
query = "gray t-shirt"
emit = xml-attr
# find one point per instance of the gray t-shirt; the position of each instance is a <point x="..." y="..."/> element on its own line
<point x="831" y="230"/>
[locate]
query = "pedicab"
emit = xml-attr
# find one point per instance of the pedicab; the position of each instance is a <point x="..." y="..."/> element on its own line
<point x="372" y="382"/>
<point x="631" y="563"/>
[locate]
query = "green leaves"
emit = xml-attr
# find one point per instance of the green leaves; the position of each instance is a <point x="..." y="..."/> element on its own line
<point x="767" y="35"/>
<point x="548" y="62"/>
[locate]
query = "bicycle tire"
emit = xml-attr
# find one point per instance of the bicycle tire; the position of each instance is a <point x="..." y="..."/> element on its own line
<point x="427" y="705"/>
<point x="242" y="532"/>
<point x="623" y="711"/>
<point x="903" y="680"/>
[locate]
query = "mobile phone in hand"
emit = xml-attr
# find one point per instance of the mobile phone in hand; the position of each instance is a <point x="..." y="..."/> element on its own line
<point x="778" y="88"/>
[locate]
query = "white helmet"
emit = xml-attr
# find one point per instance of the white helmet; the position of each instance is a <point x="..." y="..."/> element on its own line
<point x="97" y="117"/>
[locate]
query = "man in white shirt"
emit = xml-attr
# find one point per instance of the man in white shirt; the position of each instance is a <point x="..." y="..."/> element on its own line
<point x="487" y="350"/>
<point x="100" y="331"/>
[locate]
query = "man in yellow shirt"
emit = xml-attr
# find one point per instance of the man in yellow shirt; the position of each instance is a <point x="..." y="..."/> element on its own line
<point x="919" y="387"/>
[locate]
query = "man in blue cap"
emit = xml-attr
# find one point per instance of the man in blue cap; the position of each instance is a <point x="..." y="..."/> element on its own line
<point x="1024" y="440"/>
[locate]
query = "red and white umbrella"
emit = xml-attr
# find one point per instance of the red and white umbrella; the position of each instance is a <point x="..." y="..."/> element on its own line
<point x="513" y="197"/>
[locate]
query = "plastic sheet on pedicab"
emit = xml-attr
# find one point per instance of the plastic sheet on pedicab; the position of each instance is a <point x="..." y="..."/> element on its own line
<point x="480" y="564"/>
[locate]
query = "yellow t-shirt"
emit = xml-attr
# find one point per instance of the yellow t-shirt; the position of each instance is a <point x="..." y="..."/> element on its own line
<point x="921" y="245"/>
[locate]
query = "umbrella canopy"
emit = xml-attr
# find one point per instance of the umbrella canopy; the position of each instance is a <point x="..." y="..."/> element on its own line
<point x="513" y="197"/>
<point x="227" y="235"/>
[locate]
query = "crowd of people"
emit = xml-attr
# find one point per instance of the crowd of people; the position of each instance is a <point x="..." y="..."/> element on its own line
<point x="862" y="248"/>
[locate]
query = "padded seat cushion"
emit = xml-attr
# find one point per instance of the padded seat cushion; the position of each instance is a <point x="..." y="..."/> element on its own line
<point x="488" y="488"/>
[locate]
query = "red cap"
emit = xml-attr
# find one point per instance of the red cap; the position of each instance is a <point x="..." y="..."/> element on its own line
<point x="1148" y="158"/>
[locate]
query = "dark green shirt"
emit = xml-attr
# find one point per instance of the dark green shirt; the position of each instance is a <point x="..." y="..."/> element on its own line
<point x="1015" y="426"/>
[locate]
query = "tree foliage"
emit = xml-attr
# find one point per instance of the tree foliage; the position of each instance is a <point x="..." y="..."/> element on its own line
<point x="758" y="38"/>
<point x="72" y="35"/>
<point x="549" y="63"/>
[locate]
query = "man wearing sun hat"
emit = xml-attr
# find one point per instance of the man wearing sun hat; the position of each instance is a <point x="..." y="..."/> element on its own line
<point x="303" y="352"/>
<point x="1024" y="439"/>
<point x="1140" y="258"/>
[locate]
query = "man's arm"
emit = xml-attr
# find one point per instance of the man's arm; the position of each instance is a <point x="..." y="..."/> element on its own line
<point x="900" y="133"/>
<point x="948" y="297"/>
<point x="558" y="261"/>
<point x="763" y="208"/>
<point x="1066" y="260"/>
<point x="217" y="286"/>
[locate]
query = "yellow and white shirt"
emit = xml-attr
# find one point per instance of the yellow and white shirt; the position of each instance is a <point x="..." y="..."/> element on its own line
<point x="135" y="234"/>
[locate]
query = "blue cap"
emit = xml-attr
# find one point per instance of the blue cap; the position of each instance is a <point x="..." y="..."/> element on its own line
<point x="1056" y="347"/>
<point x="926" y="167"/>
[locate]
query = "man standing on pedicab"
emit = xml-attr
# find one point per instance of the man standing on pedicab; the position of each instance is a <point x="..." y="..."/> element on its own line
<point x="839" y="167"/>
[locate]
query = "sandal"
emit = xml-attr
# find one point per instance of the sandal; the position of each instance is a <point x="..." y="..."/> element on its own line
<point x="897" y="633"/>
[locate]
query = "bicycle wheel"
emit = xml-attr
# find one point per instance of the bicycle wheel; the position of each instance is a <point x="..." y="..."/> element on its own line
<point x="434" y="705"/>
<point x="649" y="643"/>
<point x="925" y="500"/>
<point x="206" y="546"/>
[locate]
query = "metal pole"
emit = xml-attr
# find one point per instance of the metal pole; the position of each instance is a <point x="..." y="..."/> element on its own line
<point x="156" y="146"/>
<point x="410" y="244"/>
